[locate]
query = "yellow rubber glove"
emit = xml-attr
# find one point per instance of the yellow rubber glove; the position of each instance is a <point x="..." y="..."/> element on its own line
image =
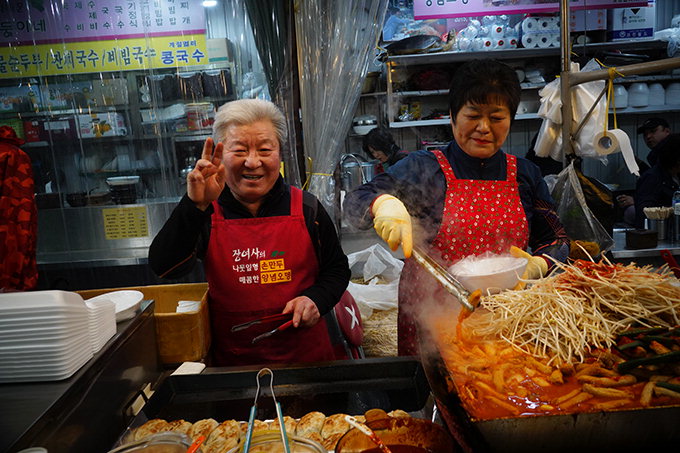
<point x="392" y="222"/>
<point x="537" y="266"/>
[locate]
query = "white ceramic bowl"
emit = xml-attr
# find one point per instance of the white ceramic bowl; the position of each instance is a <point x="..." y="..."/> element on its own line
<point x="490" y="274"/>
<point x="363" y="130"/>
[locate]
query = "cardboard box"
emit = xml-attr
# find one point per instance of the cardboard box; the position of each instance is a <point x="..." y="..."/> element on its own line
<point x="181" y="337"/>
<point x="631" y="23"/>
<point x="59" y="96"/>
<point x="97" y="125"/>
<point x="16" y="124"/>
<point x="588" y="20"/>
<point x="32" y="130"/>
<point x="22" y="98"/>
<point x="62" y="128"/>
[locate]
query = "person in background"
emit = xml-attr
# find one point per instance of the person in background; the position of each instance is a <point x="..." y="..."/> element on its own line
<point x="267" y="247"/>
<point x="468" y="199"/>
<point x="379" y="144"/>
<point x="18" y="216"/>
<point x="655" y="130"/>
<point x="656" y="186"/>
<point x="394" y="24"/>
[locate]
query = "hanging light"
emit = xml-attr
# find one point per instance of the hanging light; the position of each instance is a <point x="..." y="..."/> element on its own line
<point x="209" y="3"/>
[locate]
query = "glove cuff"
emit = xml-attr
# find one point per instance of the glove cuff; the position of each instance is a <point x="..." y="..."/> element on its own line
<point x="380" y="199"/>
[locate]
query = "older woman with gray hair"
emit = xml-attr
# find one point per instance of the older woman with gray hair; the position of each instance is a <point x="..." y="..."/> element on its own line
<point x="267" y="247"/>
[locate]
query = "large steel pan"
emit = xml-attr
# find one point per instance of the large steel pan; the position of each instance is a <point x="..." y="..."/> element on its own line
<point x="650" y="429"/>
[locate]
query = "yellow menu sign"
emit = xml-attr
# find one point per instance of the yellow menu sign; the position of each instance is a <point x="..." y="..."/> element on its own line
<point x="122" y="223"/>
<point x="103" y="56"/>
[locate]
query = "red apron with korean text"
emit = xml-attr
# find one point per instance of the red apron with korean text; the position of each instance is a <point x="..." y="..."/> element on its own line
<point x="254" y="267"/>
<point x="479" y="216"/>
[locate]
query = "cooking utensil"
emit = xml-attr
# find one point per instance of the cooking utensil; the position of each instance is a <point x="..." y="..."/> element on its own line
<point x="415" y="44"/>
<point x="672" y="263"/>
<point x="253" y="412"/>
<point x="197" y="443"/>
<point x="282" y="327"/>
<point x="264" y="319"/>
<point x="369" y="432"/>
<point x="443" y="276"/>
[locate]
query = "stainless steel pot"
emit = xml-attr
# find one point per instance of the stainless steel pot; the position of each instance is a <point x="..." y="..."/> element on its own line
<point x="355" y="170"/>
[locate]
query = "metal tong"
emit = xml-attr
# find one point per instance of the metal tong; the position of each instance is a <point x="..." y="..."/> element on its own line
<point x="253" y="413"/>
<point x="267" y="319"/>
<point x="443" y="276"/>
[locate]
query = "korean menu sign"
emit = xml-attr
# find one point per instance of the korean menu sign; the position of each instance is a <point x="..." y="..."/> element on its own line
<point x="48" y="37"/>
<point x="440" y="9"/>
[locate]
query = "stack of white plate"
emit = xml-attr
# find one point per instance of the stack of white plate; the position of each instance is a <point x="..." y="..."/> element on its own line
<point x="127" y="302"/>
<point x="101" y="322"/>
<point x="44" y="335"/>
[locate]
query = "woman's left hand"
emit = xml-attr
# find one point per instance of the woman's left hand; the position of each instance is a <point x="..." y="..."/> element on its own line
<point x="305" y="311"/>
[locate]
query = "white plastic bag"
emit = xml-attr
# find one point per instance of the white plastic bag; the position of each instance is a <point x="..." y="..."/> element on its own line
<point x="583" y="97"/>
<point x="381" y="271"/>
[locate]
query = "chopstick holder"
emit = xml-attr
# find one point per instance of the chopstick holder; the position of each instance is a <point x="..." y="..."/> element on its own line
<point x="253" y="413"/>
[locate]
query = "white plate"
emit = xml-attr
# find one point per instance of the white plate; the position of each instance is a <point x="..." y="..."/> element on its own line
<point x="122" y="180"/>
<point x="127" y="302"/>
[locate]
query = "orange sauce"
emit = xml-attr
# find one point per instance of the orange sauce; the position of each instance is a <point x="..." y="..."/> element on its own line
<point x="494" y="380"/>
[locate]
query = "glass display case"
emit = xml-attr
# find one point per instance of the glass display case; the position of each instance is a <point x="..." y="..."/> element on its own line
<point x="114" y="102"/>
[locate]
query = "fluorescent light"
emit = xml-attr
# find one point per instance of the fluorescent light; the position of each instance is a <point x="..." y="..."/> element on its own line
<point x="209" y="3"/>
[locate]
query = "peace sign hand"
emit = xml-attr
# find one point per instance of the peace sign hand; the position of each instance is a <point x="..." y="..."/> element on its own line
<point x="206" y="181"/>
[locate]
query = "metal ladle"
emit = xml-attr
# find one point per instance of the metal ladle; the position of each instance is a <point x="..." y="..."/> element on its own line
<point x="443" y="276"/>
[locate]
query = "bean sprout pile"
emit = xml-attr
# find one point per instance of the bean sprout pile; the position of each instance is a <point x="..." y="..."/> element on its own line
<point x="578" y="308"/>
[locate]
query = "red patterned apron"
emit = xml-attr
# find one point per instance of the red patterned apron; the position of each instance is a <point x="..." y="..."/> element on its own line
<point x="254" y="267"/>
<point x="479" y="216"/>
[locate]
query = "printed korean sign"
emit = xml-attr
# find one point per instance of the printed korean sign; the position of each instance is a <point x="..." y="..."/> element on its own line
<point x="41" y="21"/>
<point x="103" y="56"/>
<point x="252" y="266"/>
<point x="77" y="36"/>
<point x="441" y="9"/>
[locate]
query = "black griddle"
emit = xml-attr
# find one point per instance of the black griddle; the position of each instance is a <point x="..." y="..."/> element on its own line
<point x="350" y="387"/>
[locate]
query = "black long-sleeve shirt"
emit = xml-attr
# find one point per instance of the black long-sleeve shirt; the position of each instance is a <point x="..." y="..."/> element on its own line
<point x="184" y="239"/>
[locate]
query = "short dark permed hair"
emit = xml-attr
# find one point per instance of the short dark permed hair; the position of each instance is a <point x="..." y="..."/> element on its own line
<point x="481" y="81"/>
<point x="380" y="139"/>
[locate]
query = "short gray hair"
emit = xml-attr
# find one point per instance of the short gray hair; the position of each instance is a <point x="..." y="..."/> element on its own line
<point x="247" y="111"/>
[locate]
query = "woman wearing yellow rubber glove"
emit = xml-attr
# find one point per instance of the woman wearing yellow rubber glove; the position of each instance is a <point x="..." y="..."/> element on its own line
<point x="466" y="199"/>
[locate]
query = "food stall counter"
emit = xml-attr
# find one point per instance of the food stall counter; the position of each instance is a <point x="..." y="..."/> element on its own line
<point x="85" y="412"/>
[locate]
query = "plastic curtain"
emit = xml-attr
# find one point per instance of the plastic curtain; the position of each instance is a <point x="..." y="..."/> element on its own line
<point x="271" y="32"/>
<point x="336" y="41"/>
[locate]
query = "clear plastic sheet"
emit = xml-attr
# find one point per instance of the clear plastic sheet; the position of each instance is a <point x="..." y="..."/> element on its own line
<point x="272" y="26"/>
<point x="336" y="41"/>
<point x="109" y="89"/>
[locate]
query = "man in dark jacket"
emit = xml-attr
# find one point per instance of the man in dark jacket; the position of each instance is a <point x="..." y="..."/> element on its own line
<point x="654" y="130"/>
<point x="656" y="186"/>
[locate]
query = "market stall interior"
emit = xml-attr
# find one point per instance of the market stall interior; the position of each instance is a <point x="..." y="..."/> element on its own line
<point x="586" y="358"/>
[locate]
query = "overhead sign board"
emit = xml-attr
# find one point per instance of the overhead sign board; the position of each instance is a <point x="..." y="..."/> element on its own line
<point x="442" y="9"/>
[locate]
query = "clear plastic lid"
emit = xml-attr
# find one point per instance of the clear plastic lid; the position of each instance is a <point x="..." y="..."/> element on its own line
<point x="167" y="442"/>
<point x="270" y="442"/>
